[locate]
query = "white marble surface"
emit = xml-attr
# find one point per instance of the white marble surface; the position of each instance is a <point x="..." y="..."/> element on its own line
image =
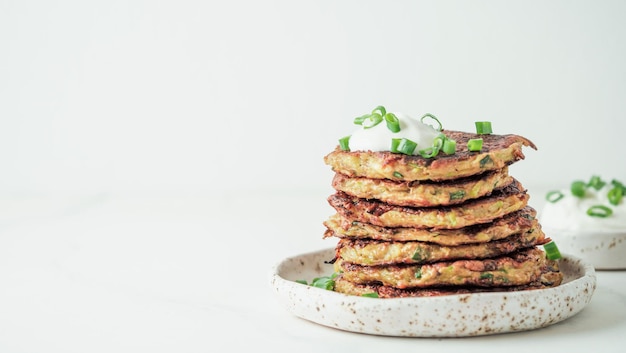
<point x="190" y="273"/>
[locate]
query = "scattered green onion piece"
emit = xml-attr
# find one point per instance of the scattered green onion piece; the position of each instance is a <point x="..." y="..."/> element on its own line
<point x="449" y="146"/>
<point x="599" y="211"/>
<point x="554" y="196"/>
<point x="324" y="282"/>
<point x="578" y="188"/>
<point x="344" y="143"/>
<point x="301" y="281"/>
<point x="404" y="145"/>
<point x="552" y="251"/>
<point x="483" y="127"/>
<point x="370" y="295"/>
<point x="372" y="120"/>
<point x="393" y="124"/>
<point x="427" y="115"/>
<point x="596" y="183"/>
<point x="380" y="110"/>
<point x="398" y="175"/>
<point x="475" y="144"/>
<point x="615" y="195"/>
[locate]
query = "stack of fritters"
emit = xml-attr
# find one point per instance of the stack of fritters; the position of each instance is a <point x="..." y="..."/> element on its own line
<point x="412" y="226"/>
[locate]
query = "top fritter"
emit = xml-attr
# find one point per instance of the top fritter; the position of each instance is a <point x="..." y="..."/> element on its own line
<point x="497" y="152"/>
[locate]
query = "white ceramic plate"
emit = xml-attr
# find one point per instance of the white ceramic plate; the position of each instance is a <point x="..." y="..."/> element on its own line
<point x="456" y="315"/>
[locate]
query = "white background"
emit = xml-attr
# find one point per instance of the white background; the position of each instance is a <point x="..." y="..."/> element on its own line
<point x="157" y="158"/>
<point x="212" y="96"/>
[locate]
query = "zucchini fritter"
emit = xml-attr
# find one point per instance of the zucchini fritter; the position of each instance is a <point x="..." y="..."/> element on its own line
<point x="482" y="210"/>
<point x="551" y="277"/>
<point x="523" y="220"/>
<point x="374" y="253"/>
<point x="423" y="193"/>
<point x="519" y="268"/>
<point x="498" y="151"/>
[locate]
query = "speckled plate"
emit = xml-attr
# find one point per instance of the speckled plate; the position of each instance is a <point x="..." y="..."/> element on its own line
<point x="458" y="315"/>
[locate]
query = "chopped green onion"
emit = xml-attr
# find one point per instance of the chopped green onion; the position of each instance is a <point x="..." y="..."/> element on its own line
<point x="429" y="152"/>
<point x="578" y="188"/>
<point x="393" y="124"/>
<point x="379" y="110"/>
<point x="596" y="183"/>
<point x="554" y="196"/>
<point x="301" y="281"/>
<point x="457" y="195"/>
<point x="475" y="144"/>
<point x="616" y="183"/>
<point x="403" y="145"/>
<point x="615" y="195"/>
<point x="372" y="120"/>
<point x="552" y="251"/>
<point x="398" y="175"/>
<point x="359" y="120"/>
<point x="324" y="282"/>
<point x="483" y="127"/>
<point x="344" y="143"/>
<point x="370" y="295"/>
<point x="427" y="115"/>
<point x="449" y="146"/>
<point x="486" y="159"/>
<point x="599" y="211"/>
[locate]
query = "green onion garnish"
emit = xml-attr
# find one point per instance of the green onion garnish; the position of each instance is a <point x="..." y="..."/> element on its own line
<point x="372" y="120"/>
<point x="599" y="211"/>
<point x="615" y="195"/>
<point x="370" y="295"/>
<point x="475" y="144"/>
<point x="427" y="115"/>
<point x="403" y="145"/>
<point x="359" y="120"/>
<point x="554" y="196"/>
<point x="379" y="110"/>
<point x="324" y="282"/>
<point x="393" y="124"/>
<point x="449" y="146"/>
<point x="344" y="143"/>
<point x="596" y="183"/>
<point x="552" y="251"/>
<point x="483" y="127"/>
<point x="578" y="188"/>
<point x="618" y="184"/>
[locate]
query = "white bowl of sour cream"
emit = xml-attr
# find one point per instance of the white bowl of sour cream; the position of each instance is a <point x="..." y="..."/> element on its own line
<point x="588" y="226"/>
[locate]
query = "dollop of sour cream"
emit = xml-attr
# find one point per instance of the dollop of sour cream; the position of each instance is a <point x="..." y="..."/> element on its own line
<point x="570" y="213"/>
<point x="378" y="138"/>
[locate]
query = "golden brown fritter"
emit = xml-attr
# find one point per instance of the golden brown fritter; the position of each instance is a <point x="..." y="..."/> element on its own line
<point x="423" y="193"/>
<point x="516" y="269"/>
<point x="520" y="221"/>
<point x="498" y="151"/>
<point x="482" y="210"/>
<point x="550" y="277"/>
<point x="375" y="253"/>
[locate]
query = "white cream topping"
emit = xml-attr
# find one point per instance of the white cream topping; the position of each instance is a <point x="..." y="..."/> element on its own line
<point x="378" y="138"/>
<point x="570" y="212"/>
